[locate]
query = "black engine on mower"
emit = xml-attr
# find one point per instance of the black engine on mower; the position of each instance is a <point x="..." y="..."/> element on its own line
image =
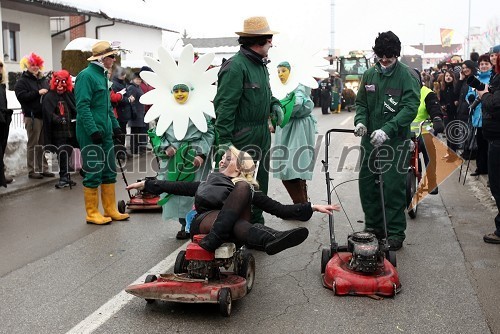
<point x="367" y="257"/>
<point x="207" y="269"/>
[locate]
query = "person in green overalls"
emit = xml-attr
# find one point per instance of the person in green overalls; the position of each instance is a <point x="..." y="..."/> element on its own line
<point x="96" y="127"/>
<point x="386" y="104"/>
<point x="244" y="102"/>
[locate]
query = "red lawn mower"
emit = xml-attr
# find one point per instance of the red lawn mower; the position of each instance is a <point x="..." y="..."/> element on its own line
<point x="365" y="266"/>
<point x="141" y="200"/>
<point x="202" y="277"/>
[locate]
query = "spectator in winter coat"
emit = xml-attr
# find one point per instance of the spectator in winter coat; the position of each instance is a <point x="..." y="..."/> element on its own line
<point x="449" y="101"/>
<point x="5" y="119"/>
<point x="138" y="128"/>
<point x="59" y="118"/>
<point x="145" y="86"/>
<point x="483" y="75"/>
<point x="30" y="89"/>
<point x="461" y="89"/>
<point x="490" y="98"/>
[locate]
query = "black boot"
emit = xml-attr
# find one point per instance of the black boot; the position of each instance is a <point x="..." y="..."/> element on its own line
<point x="271" y="241"/>
<point x="182" y="234"/>
<point x="65" y="181"/>
<point x="221" y="230"/>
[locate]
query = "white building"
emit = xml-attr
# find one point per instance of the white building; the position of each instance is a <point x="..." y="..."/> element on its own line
<point x="46" y="27"/>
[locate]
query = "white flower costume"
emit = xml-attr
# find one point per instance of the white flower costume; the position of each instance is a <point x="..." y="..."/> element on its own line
<point x="183" y="125"/>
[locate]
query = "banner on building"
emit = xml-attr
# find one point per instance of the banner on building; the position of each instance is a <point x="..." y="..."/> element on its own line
<point x="446" y="36"/>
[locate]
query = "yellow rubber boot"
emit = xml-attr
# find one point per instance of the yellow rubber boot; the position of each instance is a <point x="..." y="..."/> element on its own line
<point x="109" y="202"/>
<point x="92" y="207"/>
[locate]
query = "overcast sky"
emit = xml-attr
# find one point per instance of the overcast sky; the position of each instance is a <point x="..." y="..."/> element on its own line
<point x="356" y="22"/>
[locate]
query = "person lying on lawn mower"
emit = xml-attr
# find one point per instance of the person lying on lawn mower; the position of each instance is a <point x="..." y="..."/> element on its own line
<point x="223" y="205"/>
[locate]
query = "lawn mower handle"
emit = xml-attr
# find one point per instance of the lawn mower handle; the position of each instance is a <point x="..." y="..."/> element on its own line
<point x="333" y="243"/>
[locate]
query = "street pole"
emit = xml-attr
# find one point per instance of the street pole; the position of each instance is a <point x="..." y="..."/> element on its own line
<point x="332" y="28"/>
<point x="466" y="56"/>
<point x="423" y="43"/>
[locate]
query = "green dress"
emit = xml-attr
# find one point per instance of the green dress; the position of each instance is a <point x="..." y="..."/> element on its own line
<point x="201" y="144"/>
<point x="293" y="151"/>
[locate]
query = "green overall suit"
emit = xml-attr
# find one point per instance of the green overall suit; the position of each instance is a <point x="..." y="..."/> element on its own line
<point x="95" y="124"/>
<point x="243" y="105"/>
<point x="386" y="101"/>
<point x="95" y="114"/>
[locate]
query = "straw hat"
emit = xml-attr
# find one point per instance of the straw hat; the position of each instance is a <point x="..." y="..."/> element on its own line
<point x="102" y="49"/>
<point x="255" y="26"/>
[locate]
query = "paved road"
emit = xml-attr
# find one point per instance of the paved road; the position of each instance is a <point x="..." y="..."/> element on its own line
<point x="59" y="275"/>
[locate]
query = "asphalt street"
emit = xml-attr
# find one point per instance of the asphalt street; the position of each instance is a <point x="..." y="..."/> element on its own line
<point x="60" y="275"/>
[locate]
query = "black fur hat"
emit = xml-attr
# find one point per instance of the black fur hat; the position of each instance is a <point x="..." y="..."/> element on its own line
<point x="387" y="44"/>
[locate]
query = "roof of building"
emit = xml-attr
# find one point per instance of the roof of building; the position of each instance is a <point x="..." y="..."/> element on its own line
<point x="59" y="8"/>
<point x="211" y="42"/>
<point x="438" y="48"/>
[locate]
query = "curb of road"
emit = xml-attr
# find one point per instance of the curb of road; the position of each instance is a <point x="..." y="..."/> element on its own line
<point x="22" y="183"/>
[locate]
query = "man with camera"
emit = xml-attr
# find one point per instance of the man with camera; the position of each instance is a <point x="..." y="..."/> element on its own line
<point x="490" y="98"/>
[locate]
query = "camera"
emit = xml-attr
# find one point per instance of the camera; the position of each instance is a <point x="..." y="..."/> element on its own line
<point x="475" y="83"/>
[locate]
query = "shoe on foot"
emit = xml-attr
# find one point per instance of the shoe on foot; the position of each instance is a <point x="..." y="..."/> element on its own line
<point x="491" y="238"/>
<point x="434" y="191"/>
<point x="48" y="174"/>
<point x="8" y="180"/>
<point x="395" y="244"/>
<point x="182" y="235"/>
<point x="37" y="176"/>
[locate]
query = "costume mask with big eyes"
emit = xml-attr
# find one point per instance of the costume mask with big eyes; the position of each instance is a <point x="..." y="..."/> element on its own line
<point x="61" y="82"/>
<point x="180" y="93"/>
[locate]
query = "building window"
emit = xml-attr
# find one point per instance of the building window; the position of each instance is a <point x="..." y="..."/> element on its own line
<point x="11" y="41"/>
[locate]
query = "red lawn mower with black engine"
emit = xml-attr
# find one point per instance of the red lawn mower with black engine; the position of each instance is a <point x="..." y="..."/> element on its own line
<point x="202" y="277"/>
<point x="141" y="200"/>
<point x="365" y="266"/>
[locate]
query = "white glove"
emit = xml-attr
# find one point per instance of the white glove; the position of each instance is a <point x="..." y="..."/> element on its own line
<point x="360" y="130"/>
<point x="378" y="137"/>
<point x="123" y="91"/>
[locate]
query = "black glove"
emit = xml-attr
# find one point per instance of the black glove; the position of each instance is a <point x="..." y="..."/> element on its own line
<point x="96" y="138"/>
<point x="438" y="125"/>
<point x="118" y="136"/>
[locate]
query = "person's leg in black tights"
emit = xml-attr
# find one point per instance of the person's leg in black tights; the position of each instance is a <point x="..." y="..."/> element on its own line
<point x="236" y="206"/>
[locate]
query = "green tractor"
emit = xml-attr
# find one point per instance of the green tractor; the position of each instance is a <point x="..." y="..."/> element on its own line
<point x="351" y="69"/>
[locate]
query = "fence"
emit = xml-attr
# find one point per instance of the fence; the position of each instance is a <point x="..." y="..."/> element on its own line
<point x="17" y="120"/>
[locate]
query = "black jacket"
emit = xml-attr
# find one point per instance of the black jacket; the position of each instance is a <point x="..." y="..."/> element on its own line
<point x="301" y="211"/>
<point x="26" y="89"/>
<point x="491" y="110"/>
<point x="123" y="108"/>
<point x="447" y="101"/>
<point x="56" y="131"/>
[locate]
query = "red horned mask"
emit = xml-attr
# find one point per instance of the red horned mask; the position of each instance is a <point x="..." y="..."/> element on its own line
<point x="61" y="82"/>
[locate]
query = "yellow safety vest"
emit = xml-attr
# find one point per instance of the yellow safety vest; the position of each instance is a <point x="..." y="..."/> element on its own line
<point x="422" y="113"/>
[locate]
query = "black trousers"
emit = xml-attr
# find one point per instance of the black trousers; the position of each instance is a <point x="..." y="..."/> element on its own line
<point x="494" y="177"/>
<point x="6" y="118"/>
<point x="482" y="152"/>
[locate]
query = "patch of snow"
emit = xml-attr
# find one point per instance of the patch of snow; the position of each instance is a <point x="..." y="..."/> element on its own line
<point x="15" y="153"/>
